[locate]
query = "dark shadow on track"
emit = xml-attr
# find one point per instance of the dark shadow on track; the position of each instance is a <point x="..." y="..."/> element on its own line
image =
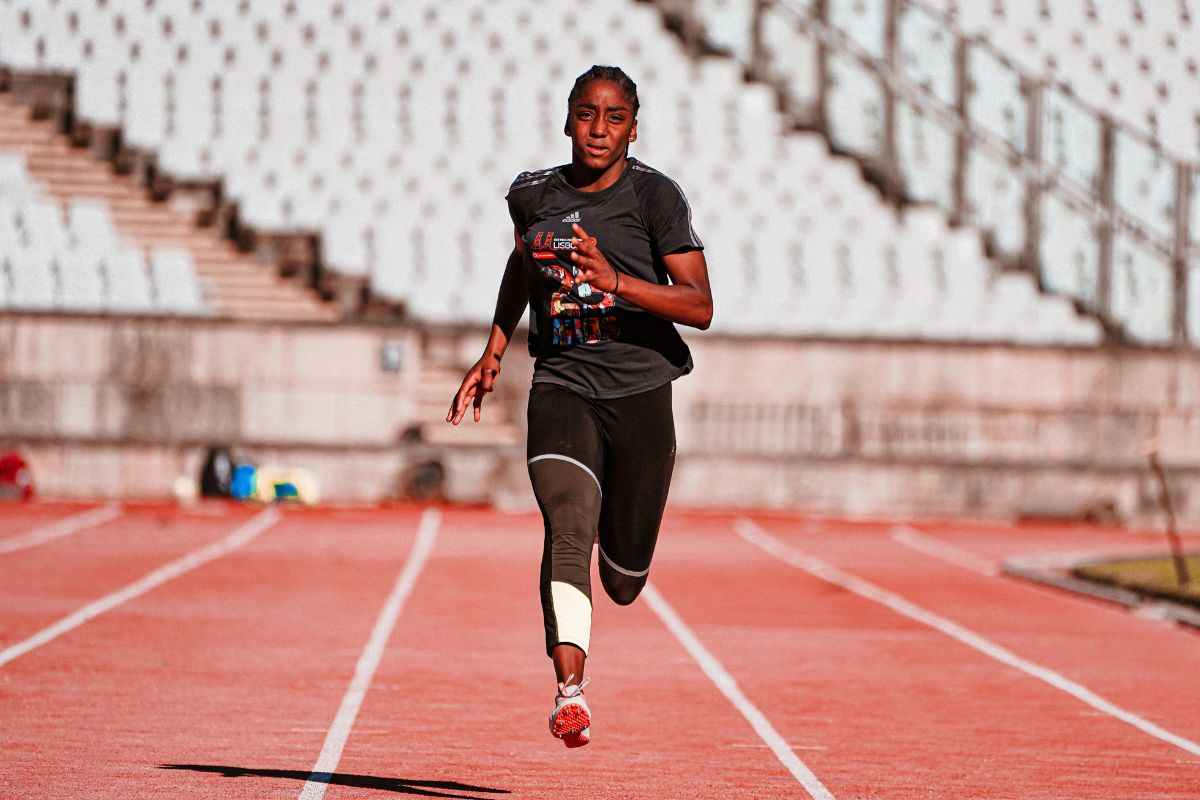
<point x="398" y="785"/>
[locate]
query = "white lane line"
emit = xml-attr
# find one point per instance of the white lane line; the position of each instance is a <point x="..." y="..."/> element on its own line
<point x="243" y="534"/>
<point x="728" y="687"/>
<point x="754" y="534"/>
<point x="59" y="528"/>
<point x="335" y="739"/>
<point x="943" y="551"/>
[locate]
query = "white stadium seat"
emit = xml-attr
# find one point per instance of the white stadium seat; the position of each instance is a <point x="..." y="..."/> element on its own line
<point x="14" y="180"/>
<point x="91" y="225"/>
<point x="74" y="264"/>
<point x="1141" y="292"/>
<point x="81" y="280"/>
<point x="177" y="290"/>
<point x="129" y="280"/>
<point x="34" y="285"/>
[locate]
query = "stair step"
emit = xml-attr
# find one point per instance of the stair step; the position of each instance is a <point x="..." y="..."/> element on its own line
<point x="236" y="286"/>
<point x="257" y="295"/>
<point x="234" y="283"/>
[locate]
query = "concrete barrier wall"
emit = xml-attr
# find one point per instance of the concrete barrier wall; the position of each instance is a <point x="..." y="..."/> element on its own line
<point x="121" y="407"/>
<point x="178" y="381"/>
<point x="916" y="428"/>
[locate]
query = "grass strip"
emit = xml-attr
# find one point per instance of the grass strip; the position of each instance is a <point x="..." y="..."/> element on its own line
<point x="1153" y="576"/>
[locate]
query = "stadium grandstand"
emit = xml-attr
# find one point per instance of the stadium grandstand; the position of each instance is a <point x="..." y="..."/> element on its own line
<point x="913" y="176"/>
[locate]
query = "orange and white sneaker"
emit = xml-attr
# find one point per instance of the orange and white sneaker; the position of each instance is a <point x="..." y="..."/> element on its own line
<point x="571" y="719"/>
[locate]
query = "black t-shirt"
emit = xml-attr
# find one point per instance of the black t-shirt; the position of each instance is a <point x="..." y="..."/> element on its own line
<point x="584" y="339"/>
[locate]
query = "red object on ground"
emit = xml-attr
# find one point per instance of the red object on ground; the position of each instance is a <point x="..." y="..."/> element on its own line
<point x="16" y="479"/>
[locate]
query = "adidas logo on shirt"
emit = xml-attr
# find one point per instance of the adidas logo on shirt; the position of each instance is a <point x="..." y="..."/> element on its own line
<point x="572" y="218"/>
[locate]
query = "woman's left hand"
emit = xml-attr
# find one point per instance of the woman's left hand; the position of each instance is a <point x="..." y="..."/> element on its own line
<point x="593" y="268"/>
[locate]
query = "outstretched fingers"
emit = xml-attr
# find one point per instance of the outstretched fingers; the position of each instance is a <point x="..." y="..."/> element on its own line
<point x="458" y="408"/>
<point x="479" y="381"/>
<point x="487" y="383"/>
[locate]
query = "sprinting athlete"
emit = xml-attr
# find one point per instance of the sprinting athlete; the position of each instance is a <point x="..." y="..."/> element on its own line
<point x="606" y="258"/>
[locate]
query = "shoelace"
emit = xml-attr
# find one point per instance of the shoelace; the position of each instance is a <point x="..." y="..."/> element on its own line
<point x="568" y="689"/>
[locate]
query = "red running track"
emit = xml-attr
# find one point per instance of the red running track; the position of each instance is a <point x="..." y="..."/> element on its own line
<point x="35" y="515"/>
<point x="226" y="680"/>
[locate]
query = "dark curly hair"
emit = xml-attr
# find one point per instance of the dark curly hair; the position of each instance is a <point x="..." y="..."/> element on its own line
<point x="603" y="73"/>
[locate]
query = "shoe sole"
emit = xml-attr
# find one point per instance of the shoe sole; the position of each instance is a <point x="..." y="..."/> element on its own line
<point x="577" y="739"/>
<point x="570" y="725"/>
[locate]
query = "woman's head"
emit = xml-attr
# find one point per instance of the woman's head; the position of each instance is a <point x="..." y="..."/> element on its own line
<point x="601" y="117"/>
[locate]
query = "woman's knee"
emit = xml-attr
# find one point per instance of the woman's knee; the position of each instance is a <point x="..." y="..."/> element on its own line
<point x="623" y="589"/>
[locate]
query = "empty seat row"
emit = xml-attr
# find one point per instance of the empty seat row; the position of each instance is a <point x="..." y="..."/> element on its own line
<point x="80" y="263"/>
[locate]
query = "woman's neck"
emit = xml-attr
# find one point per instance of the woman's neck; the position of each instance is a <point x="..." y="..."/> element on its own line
<point x="586" y="179"/>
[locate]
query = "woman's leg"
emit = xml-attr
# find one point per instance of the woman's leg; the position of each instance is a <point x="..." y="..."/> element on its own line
<point x="565" y="458"/>
<point x="639" y="434"/>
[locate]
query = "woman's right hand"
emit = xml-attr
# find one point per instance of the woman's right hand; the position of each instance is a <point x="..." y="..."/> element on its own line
<point x="479" y="381"/>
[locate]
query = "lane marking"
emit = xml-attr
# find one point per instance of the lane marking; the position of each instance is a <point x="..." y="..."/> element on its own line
<point x="763" y="746"/>
<point x="335" y="739"/>
<point x="943" y="551"/>
<point x="60" y="528"/>
<point x="186" y="563"/>
<point x="728" y="687"/>
<point x="756" y="535"/>
<point x="357" y="731"/>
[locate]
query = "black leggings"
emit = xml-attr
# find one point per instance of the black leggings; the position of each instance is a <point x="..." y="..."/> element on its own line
<point x="597" y="466"/>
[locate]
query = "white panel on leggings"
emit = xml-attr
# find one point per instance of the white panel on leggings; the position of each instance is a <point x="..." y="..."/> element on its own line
<point x="572" y="614"/>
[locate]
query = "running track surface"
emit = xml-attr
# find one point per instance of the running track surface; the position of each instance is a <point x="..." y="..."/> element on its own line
<point x="231" y="675"/>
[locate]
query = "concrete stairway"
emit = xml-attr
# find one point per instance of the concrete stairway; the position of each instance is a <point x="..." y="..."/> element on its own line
<point x="234" y="284"/>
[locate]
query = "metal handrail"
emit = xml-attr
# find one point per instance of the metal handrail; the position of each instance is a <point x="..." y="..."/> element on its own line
<point x="985" y="44"/>
<point x="1047" y="176"/>
<point x="1040" y="177"/>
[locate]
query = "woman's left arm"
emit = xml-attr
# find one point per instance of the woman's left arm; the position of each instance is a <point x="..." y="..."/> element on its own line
<point x="687" y="300"/>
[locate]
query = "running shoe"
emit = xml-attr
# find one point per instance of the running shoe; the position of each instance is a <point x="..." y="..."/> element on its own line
<point x="571" y="719"/>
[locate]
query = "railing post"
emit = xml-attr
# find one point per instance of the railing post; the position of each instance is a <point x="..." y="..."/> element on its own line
<point x="691" y="28"/>
<point x="1183" y="243"/>
<point x="1107" y="191"/>
<point x="758" y="54"/>
<point x="820" y="13"/>
<point x="1033" y="91"/>
<point x="960" y="213"/>
<point x="890" y="155"/>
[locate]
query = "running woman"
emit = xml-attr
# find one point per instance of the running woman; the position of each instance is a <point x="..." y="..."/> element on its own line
<point x="607" y="260"/>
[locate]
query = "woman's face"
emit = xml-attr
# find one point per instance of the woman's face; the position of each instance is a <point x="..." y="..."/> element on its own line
<point x="600" y="124"/>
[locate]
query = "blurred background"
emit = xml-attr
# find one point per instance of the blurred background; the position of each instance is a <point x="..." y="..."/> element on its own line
<point x="955" y="246"/>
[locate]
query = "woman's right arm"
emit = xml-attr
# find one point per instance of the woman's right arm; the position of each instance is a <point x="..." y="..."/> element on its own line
<point x="510" y="307"/>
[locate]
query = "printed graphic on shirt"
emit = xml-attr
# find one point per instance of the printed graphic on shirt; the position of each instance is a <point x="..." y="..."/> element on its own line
<point x="578" y="314"/>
